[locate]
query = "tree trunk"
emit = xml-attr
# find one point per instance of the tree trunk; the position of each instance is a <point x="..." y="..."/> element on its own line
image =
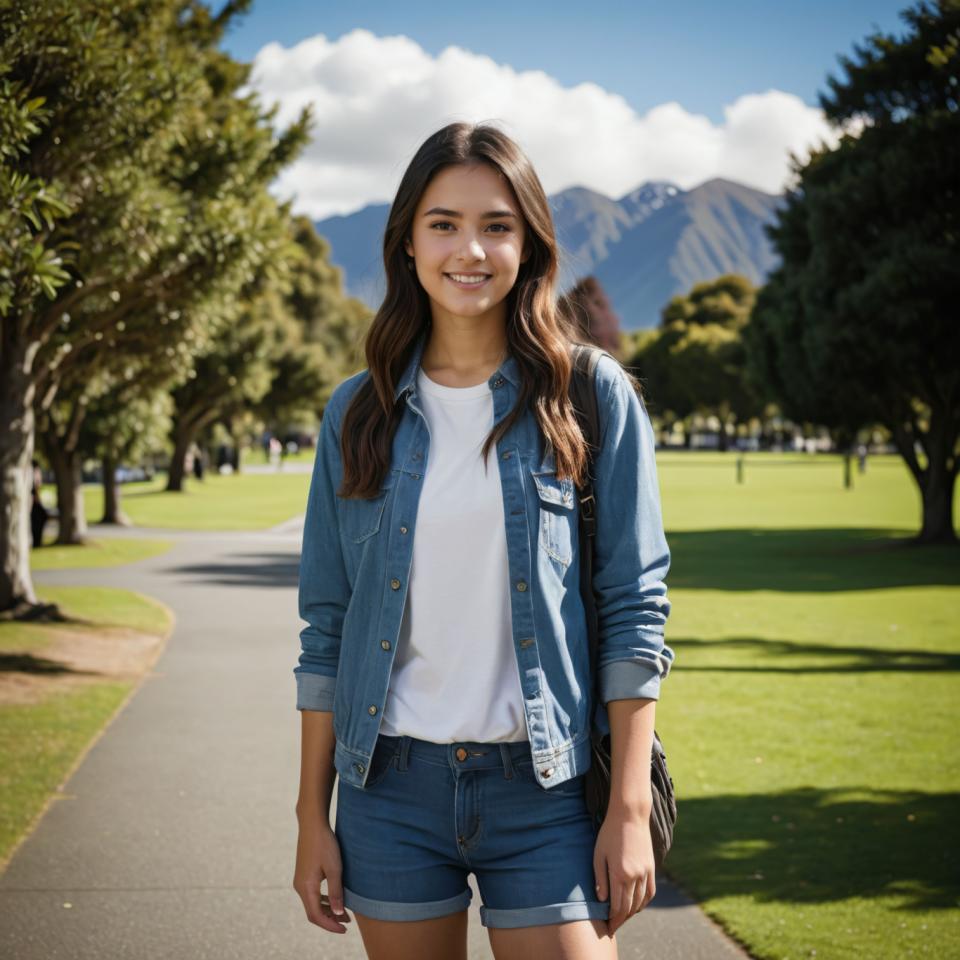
<point x="938" y="504"/>
<point x="182" y="438"/>
<point x="937" y="479"/>
<point x="68" y="470"/>
<point x="16" y="455"/>
<point x="111" y="495"/>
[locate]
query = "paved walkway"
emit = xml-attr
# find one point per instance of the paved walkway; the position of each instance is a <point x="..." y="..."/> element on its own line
<point x="175" y="837"/>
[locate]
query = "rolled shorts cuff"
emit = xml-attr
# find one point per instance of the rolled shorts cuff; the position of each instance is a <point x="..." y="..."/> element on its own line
<point x="395" y="910"/>
<point x="551" y="913"/>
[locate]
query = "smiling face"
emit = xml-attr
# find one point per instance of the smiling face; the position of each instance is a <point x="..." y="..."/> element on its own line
<point x="468" y="239"/>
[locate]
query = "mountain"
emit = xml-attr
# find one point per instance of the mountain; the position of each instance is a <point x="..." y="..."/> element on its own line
<point x="651" y="244"/>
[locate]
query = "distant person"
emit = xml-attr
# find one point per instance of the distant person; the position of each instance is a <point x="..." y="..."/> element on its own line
<point x="39" y="514"/>
<point x="453" y="711"/>
<point x="198" y="463"/>
<point x="862" y="457"/>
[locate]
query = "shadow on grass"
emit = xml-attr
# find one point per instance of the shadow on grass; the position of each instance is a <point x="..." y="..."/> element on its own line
<point x="248" y="570"/>
<point x="846" y="659"/>
<point x="807" y="560"/>
<point x="28" y="663"/>
<point x="820" y="846"/>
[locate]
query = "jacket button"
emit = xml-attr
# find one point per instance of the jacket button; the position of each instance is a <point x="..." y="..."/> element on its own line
<point x="372" y="710"/>
<point x="403" y="529"/>
<point x="359" y="767"/>
<point x="521" y="585"/>
<point x="385" y="644"/>
<point x="395" y="583"/>
<point x="416" y="476"/>
<point x="547" y="773"/>
<point x="506" y="456"/>
<point x="461" y="754"/>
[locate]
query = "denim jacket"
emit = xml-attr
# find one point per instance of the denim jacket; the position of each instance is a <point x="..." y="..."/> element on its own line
<point x="356" y="560"/>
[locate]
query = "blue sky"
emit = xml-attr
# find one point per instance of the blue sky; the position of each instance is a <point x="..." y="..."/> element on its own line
<point x="682" y="92"/>
<point x="702" y="54"/>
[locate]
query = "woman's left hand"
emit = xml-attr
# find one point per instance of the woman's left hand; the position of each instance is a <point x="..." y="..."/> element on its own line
<point x="624" y="865"/>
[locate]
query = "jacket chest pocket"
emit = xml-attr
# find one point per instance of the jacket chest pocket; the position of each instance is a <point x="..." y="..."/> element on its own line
<point x="558" y="515"/>
<point x="361" y="519"/>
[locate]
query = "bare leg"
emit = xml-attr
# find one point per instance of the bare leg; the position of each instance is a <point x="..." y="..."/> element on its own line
<point x="574" y="940"/>
<point x="443" y="938"/>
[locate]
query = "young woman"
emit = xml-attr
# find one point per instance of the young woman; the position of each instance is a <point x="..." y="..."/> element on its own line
<point x="445" y="672"/>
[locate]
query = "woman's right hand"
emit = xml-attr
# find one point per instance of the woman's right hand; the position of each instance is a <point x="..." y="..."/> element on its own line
<point x="318" y="859"/>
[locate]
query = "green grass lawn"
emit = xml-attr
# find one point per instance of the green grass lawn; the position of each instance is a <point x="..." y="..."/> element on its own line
<point x="41" y="743"/>
<point x="809" y="721"/>
<point x="239" y="502"/>
<point x="257" y="456"/>
<point x="97" y="552"/>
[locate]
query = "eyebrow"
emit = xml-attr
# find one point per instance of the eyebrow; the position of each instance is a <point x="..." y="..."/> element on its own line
<point x="489" y="215"/>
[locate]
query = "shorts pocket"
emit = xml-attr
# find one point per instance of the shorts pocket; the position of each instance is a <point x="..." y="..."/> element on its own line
<point x="380" y="763"/>
<point x="558" y="515"/>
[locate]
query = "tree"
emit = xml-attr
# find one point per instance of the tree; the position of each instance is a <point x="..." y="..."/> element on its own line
<point x="858" y="324"/>
<point x="132" y="205"/>
<point x="696" y="362"/>
<point x="135" y="422"/>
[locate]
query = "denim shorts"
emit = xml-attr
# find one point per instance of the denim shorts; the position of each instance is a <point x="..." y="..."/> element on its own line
<point x="432" y="813"/>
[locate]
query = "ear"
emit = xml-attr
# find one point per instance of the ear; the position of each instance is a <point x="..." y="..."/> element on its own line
<point x="408" y="246"/>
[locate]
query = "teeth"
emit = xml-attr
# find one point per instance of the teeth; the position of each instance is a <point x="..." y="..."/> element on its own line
<point x="461" y="278"/>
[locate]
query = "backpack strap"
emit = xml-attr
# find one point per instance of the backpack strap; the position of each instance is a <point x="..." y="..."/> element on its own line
<point x="583" y="395"/>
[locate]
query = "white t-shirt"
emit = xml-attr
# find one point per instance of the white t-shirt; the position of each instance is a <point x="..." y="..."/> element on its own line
<point x="455" y="674"/>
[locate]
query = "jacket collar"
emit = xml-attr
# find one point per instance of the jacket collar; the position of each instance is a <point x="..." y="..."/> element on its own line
<point x="509" y="368"/>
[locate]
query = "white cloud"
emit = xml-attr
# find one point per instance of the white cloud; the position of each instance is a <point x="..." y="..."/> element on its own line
<point x="377" y="98"/>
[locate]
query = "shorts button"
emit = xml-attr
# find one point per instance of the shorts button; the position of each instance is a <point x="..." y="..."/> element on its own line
<point x="461" y="754"/>
<point x="403" y="529"/>
<point x="395" y="583"/>
<point x="385" y="644"/>
<point x="521" y="585"/>
<point x="372" y="710"/>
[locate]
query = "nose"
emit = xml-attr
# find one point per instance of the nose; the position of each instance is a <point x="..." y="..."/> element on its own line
<point x="473" y="250"/>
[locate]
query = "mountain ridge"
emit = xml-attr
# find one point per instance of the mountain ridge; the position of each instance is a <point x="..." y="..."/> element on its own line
<point x="654" y="242"/>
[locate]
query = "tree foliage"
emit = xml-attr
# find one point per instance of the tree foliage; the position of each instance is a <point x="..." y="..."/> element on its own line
<point x="858" y="324"/>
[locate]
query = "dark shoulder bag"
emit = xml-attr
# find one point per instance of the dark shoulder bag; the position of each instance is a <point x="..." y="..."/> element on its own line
<point x="663" y="815"/>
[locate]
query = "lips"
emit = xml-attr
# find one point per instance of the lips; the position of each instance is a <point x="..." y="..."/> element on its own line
<point x="468" y="284"/>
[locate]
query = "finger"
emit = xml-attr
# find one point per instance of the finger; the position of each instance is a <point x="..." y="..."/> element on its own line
<point x="335" y="890"/>
<point x="639" y="896"/>
<point x="600" y="874"/>
<point x="316" y="913"/>
<point x="616" y="898"/>
<point x="630" y="897"/>
<point x="651" y="889"/>
<point x="341" y="914"/>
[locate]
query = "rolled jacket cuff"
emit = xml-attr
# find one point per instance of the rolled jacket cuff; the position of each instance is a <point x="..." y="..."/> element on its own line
<point x="315" y="691"/>
<point x="629" y="680"/>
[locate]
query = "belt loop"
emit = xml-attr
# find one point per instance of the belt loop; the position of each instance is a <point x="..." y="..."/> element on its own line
<point x="404" y="752"/>
<point x="507" y="761"/>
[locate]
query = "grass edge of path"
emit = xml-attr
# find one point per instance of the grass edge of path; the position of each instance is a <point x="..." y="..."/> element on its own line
<point x="126" y="689"/>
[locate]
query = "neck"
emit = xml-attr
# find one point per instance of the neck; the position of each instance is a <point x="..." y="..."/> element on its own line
<point x="461" y="348"/>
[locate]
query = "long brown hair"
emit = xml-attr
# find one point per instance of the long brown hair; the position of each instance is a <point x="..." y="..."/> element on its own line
<point x="539" y="332"/>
